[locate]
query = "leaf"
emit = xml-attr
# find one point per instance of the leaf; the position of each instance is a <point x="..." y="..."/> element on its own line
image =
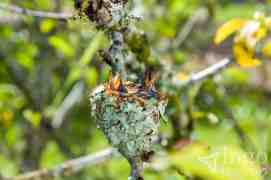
<point x="33" y="117"/>
<point x="244" y="57"/>
<point x="216" y="163"/>
<point x="93" y="47"/>
<point x="51" y="155"/>
<point x="228" y="29"/>
<point x="73" y="76"/>
<point x="47" y="25"/>
<point x="25" y="55"/>
<point x="61" y="45"/>
<point x="91" y="76"/>
<point x="7" y="166"/>
<point x="24" y="60"/>
<point x="266" y="50"/>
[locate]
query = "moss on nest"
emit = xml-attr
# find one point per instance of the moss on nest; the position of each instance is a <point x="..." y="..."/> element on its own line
<point x="128" y="114"/>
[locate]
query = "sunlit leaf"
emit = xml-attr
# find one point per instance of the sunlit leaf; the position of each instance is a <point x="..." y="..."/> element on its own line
<point x="7" y="167"/>
<point x="91" y="76"/>
<point x="47" y="25"/>
<point x="24" y="60"/>
<point x="33" y="117"/>
<point x="61" y="45"/>
<point x="73" y="76"/>
<point x="25" y="55"/>
<point x="51" y="155"/>
<point x="10" y="96"/>
<point x="244" y="57"/>
<point x="228" y="29"/>
<point x="6" y="32"/>
<point x="13" y="136"/>
<point x="235" y="76"/>
<point x="93" y="47"/>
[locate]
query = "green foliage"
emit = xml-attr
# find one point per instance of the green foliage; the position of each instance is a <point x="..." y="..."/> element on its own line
<point x="51" y="155"/>
<point x="42" y="59"/>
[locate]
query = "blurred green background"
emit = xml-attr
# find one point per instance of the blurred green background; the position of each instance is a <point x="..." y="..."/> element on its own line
<point x="46" y="65"/>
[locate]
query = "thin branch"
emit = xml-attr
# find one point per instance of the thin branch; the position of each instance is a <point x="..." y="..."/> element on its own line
<point x="29" y="12"/>
<point x="136" y="169"/>
<point x="210" y="71"/>
<point x="19" y="77"/>
<point x="245" y="141"/>
<point x="69" y="167"/>
<point x="9" y="19"/>
<point x="71" y="99"/>
<point x="200" y="15"/>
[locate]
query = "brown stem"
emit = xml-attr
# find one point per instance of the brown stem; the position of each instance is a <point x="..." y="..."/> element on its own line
<point x="136" y="169"/>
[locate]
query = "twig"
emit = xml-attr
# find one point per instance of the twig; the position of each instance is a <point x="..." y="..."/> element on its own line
<point x="212" y="70"/>
<point x="29" y="12"/>
<point x="200" y="15"/>
<point x="19" y="77"/>
<point x="69" y="167"/>
<point x="72" y="98"/>
<point x="9" y="19"/>
<point x="136" y="169"/>
<point x="245" y="141"/>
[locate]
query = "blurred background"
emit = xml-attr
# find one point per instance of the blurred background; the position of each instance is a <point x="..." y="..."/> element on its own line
<point x="48" y="68"/>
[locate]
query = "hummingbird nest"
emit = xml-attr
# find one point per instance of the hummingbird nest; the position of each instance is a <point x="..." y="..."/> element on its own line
<point x="104" y="13"/>
<point x="129" y="115"/>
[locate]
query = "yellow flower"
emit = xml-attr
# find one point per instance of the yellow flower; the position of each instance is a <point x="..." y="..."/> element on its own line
<point x="244" y="57"/>
<point x="228" y="29"/>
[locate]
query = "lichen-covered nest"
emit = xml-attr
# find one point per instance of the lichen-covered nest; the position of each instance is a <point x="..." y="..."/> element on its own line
<point x="128" y="114"/>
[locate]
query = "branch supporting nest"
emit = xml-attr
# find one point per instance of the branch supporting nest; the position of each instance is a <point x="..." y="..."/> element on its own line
<point x="136" y="169"/>
<point x="28" y="12"/>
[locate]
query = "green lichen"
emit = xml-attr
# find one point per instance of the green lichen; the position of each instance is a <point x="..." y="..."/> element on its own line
<point x="129" y="126"/>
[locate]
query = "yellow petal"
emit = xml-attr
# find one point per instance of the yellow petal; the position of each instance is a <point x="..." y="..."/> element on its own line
<point x="228" y="29"/>
<point x="243" y="57"/>
<point x="182" y="76"/>
<point x="261" y="33"/>
<point x="267" y="49"/>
